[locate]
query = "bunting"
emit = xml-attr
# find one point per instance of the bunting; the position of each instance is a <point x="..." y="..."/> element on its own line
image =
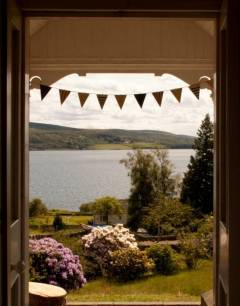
<point x="195" y="89"/>
<point x="158" y="97"/>
<point x="140" y="97"/>
<point x="177" y="93"/>
<point x="44" y="90"/>
<point x="63" y="95"/>
<point x="120" y="100"/>
<point x="102" y="99"/>
<point x="82" y="97"/>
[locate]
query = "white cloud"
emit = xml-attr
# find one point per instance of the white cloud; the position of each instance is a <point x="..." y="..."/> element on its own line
<point x="180" y="118"/>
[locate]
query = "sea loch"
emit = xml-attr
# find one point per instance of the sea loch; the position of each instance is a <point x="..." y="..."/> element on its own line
<point x="65" y="179"/>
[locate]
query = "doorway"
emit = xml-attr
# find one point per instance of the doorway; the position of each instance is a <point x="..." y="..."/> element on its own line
<point x="51" y="67"/>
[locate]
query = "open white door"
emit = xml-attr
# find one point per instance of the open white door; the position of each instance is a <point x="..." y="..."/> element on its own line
<point x="14" y="282"/>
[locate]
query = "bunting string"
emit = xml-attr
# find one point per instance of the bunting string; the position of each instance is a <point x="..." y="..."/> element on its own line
<point x="120" y="98"/>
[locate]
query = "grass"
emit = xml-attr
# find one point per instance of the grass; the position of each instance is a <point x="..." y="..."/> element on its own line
<point x="68" y="220"/>
<point x="124" y="146"/>
<point x="37" y="224"/>
<point x="185" y="286"/>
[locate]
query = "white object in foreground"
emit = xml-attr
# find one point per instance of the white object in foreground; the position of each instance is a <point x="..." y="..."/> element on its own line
<point x="41" y="294"/>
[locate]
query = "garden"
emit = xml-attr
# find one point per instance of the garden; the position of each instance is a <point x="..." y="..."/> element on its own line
<point x="109" y="266"/>
<point x="116" y="262"/>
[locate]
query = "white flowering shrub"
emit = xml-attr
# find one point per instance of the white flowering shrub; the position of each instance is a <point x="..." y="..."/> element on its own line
<point x="103" y="240"/>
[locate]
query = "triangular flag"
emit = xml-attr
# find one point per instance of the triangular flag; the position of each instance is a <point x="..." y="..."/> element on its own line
<point x="102" y="99"/>
<point x="82" y="97"/>
<point x="177" y="93"/>
<point x="63" y="95"/>
<point x="120" y="100"/>
<point x="195" y="89"/>
<point x="140" y="99"/>
<point x="158" y="97"/>
<point x="44" y="90"/>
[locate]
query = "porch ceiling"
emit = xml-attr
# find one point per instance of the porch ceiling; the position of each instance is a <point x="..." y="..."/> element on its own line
<point x="185" y="48"/>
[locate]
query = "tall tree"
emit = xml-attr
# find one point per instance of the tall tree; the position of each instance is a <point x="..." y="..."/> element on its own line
<point x="197" y="186"/>
<point x="151" y="176"/>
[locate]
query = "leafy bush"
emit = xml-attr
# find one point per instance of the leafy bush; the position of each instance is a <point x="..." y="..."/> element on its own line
<point x="91" y="268"/>
<point x="205" y="234"/>
<point x="198" y="245"/>
<point x="58" y="223"/>
<point x="167" y="261"/>
<point x="37" y="208"/>
<point x="127" y="264"/>
<point x="167" y="216"/>
<point x="193" y="250"/>
<point x="86" y="208"/>
<point x="103" y="240"/>
<point x="51" y="262"/>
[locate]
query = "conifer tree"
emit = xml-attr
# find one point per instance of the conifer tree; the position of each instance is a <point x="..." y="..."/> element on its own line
<point x="197" y="186"/>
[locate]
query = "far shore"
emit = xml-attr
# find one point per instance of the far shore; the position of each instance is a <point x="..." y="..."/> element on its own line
<point x="118" y="147"/>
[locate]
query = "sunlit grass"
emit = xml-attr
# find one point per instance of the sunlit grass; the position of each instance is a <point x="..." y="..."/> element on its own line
<point x="185" y="286"/>
<point x="40" y="225"/>
<point x="68" y="220"/>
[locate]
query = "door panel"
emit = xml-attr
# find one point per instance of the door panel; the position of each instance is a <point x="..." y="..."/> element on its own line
<point x="13" y="196"/>
<point x="227" y="276"/>
<point x="221" y="209"/>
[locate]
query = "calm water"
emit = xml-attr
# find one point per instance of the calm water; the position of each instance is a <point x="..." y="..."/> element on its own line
<point x="65" y="179"/>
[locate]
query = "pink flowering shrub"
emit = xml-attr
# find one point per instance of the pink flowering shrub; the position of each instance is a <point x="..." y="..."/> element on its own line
<point x="51" y="262"/>
<point x="103" y="240"/>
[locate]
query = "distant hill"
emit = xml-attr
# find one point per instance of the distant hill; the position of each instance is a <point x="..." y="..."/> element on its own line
<point x="55" y="137"/>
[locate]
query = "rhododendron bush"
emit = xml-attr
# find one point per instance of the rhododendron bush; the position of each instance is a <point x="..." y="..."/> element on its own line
<point x="127" y="265"/>
<point x="103" y="240"/>
<point x="51" y="262"/>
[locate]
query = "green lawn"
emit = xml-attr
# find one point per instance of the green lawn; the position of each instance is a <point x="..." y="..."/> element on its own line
<point x="68" y="220"/>
<point x="185" y="286"/>
<point x="36" y="224"/>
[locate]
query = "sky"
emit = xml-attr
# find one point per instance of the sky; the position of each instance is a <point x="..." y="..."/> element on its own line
<point x="172" y="116"/>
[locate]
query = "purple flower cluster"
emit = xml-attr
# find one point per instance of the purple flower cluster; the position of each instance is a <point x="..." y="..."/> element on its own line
<point x="52" y="263"/>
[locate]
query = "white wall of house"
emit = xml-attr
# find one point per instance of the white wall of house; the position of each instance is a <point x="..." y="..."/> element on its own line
<point x="112" y="219"/>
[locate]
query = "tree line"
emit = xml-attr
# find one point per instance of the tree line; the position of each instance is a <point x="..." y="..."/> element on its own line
<point x="158" y="200"/>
